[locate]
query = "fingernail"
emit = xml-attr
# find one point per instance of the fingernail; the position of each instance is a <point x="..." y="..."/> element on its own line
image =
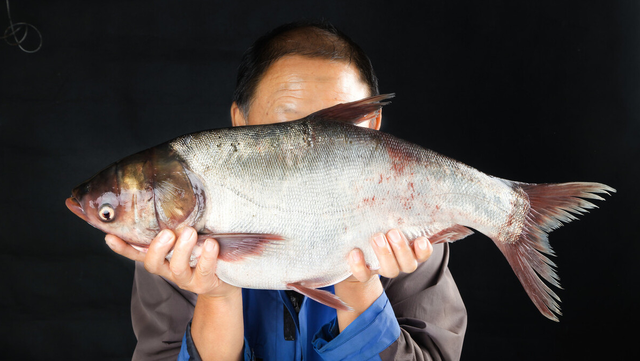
<point x="356" y="256"/>
<point x="164" y="237"/>
<point x="380" y="241"/>
<point x="109" y="243"/>
<point x="395" y="237"/>
<point x="422" y="243"/>
<point x="208" y="245"/>
<point x="187" y="233"/>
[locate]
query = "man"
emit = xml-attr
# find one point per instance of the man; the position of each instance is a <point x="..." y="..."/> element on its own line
<point x="413" y="311"/>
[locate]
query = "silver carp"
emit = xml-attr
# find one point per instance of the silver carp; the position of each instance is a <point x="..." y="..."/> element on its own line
<point x="287" y="202"/>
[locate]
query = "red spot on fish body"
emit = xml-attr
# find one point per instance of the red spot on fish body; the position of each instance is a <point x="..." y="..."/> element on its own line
<point x="367" y="202"/>
<point x="398" y="167"/>
<point x="400" y="158"/>
<point x="405" y="202"/>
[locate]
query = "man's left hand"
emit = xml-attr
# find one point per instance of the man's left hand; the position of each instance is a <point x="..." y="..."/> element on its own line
<point x="394" y="253"/>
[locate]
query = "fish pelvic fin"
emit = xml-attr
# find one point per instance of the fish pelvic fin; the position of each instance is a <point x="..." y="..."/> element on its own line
<point x="550" y="205"/>
<point x="451" y="234"/>
<point x="354" y="113"/>
<point x="320" y="296"/>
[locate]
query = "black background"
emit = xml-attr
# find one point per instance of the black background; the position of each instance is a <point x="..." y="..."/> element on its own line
<point x="536" y="91"/>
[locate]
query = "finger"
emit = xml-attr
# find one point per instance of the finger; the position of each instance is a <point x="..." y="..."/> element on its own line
<point x="156" y="261"/>
<point x="422" y="248"/>
<point x="179" y="263"/>
<point x="205" y="279"/>
<point x="208" y="259"/>
<point x="388" y="264"/>
<point x="404" y="254"/>
<point x="358" y="266"/>
<point x="123" y="248"/>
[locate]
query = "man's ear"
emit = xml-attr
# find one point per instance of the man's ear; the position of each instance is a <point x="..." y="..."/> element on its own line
<point x="237" y="117"/>
<point x="374" y="123"/>
<point x="377" y="122"/>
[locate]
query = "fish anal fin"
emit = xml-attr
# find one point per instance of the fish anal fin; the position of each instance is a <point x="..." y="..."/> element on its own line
<point x="354" y="112"/>
<point x="238" y="246"/>
<point x="450" y="234"/>
<point x="320" y="296"/>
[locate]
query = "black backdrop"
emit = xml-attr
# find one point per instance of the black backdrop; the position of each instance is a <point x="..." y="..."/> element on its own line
<point x="544" y="91"/>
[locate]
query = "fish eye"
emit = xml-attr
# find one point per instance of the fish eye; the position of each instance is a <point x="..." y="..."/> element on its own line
<point x="106" y="213"/>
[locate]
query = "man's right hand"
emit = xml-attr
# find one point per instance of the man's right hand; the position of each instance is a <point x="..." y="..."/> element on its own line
<point x="201" y="279"/>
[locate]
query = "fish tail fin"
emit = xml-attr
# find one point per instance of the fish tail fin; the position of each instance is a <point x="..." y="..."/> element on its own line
<point x="549" y="206"/>
<point x="357" y="112"/>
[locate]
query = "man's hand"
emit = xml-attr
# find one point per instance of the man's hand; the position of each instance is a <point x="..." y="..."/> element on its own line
<point x="363" y="288"/>
<point x="124" y="249"/>
<point x="217" y="328"/>
<point x="201" y="279"/>
<point x="394" y="253"/>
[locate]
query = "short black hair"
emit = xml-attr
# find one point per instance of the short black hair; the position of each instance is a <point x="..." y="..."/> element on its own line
<point x="315" y="39"/>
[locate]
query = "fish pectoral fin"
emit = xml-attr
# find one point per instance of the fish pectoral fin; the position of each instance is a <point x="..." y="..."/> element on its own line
<point x="354" y="112"/>
<point x="320" y="296"/>
<point x="450" y="234"/>
<point x="238" y="246"/>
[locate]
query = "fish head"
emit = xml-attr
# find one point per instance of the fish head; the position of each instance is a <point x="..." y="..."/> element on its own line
<point x="138" y="196"/>
<point x="119" y="200"/>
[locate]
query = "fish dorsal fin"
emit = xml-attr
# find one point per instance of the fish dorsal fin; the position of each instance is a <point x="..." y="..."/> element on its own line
<point x="354" y="112"/>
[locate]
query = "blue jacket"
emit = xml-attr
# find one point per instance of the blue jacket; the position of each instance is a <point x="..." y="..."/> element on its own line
<point x="316" y="334"/>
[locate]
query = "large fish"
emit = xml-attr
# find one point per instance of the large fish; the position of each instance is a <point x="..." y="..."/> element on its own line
<point x="287" y="202"/>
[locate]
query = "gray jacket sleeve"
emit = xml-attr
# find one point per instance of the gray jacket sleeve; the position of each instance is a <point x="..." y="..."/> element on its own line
<point x="160" y="312"/>
<point x="430" y="312"/>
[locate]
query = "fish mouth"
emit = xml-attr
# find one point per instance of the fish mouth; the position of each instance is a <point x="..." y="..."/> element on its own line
<point x="75" y="207"/>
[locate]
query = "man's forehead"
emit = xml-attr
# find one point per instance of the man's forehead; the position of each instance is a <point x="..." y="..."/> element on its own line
<point x="295" y="68"/>
<point x="293" y="73"/>
<point x="295" y="86"/>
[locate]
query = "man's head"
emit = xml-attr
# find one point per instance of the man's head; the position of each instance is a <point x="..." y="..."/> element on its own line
<point x="297" y="69"/>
